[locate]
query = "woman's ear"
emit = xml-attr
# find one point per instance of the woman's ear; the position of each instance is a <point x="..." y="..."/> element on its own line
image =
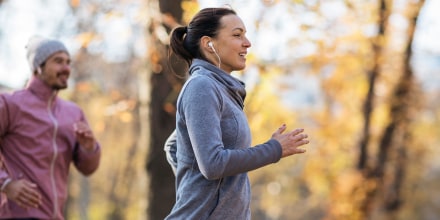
<point x="205" y="43"/>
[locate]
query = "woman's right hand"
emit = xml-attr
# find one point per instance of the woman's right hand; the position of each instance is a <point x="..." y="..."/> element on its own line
<point x="290" y="141"/>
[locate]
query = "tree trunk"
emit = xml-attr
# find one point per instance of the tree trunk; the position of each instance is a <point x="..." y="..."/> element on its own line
<point x="402" y="113"/>
<point x="377" y="47"/>
<point x="389" y="169"/>
<point x="165" y="86"/>
<point x="373" y="73"/>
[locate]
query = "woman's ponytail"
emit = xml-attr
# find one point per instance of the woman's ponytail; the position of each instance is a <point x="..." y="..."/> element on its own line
<point x="177" y="43"/>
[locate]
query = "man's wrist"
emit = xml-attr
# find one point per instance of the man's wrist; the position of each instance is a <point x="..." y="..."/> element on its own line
<point x="5" y="183"/>
<point x="90" y="150"/>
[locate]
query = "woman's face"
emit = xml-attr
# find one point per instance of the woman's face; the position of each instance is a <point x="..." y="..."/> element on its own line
<point x="231" y="44"/>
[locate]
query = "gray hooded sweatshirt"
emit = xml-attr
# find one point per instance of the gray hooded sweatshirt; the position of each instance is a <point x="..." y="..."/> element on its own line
<point x="214" y="150"/>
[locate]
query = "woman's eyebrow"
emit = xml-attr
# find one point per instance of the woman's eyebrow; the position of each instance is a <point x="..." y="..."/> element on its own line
<point x="238" y="28"/>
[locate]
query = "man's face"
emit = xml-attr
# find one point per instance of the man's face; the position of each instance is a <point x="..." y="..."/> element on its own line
<point x="56" y="71"/>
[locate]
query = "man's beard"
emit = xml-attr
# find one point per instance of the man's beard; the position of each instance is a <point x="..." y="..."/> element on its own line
<point x="59" y="87"/>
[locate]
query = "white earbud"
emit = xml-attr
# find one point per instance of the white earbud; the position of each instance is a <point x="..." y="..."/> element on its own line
<point x="215" y="52"/>
<point x="39" y="70"/>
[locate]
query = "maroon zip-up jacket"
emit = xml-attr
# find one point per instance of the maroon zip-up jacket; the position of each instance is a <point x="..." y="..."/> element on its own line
<point x="37" y="142"/>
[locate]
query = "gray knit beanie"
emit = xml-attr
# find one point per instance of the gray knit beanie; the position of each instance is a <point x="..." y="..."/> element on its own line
<point x="39" y="49"/>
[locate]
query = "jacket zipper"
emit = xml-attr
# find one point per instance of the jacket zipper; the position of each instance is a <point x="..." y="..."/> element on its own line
<point x="55" y="153"/>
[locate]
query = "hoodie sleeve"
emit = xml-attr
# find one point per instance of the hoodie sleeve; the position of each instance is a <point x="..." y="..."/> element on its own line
<point x="170" y="149"/>
<point x="4" y="124"/>
<point x="86" y="162"/>
<point x="202" y="109"/>
<point x="4" y="116"/>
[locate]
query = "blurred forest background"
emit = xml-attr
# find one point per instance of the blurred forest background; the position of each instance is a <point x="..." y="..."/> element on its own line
<point x="347" y="71"/>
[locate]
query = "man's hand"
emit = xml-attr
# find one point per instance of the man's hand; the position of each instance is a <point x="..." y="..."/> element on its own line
<point x="24" y="193"/>
<point x="84" y="136"/>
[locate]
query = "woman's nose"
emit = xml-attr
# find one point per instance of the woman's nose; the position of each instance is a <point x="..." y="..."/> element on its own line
<point x="247" y="43"/>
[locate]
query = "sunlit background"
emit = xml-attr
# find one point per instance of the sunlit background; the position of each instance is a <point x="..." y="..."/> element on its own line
<point x="21" y="19"/>
<point x="310" y="66"/>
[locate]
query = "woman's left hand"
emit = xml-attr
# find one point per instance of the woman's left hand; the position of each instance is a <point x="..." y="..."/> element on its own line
<point x="291" y="141"/>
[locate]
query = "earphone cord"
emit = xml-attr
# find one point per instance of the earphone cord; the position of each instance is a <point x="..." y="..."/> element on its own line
<point x="219" y="60"/>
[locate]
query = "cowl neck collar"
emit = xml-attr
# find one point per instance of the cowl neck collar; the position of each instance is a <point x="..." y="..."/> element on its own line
<point x="235" y="87"/>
